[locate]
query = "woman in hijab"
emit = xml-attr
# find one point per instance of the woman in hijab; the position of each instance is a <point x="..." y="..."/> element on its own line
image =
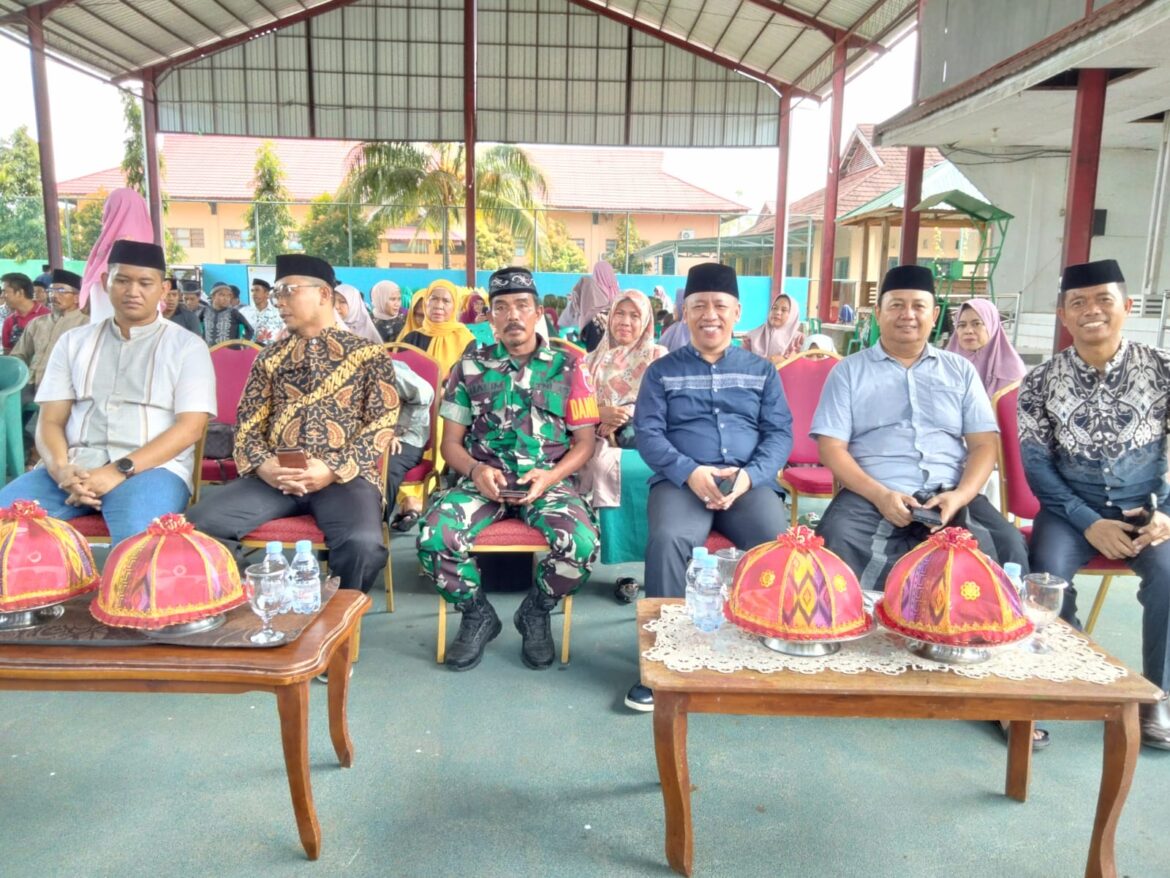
<point x="617" y="366"/>
<point x="979" y="337"/>
<point x="474" y="308"/>
<point x="677" y="335"/>
<point x="389" y="315"/>
<point x="125" y="217"/>
<point x="589" y="304"/>
<point x="779" y="337"/>
<point x="819" y="342"/>
<point x="415" y="316"/>
<point x="347" y="301"/>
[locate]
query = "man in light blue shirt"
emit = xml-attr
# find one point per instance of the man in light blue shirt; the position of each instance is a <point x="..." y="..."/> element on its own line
<point x="905" y="428"/>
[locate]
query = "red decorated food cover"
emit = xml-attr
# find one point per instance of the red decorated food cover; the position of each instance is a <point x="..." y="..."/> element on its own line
<point x="43" y="560"/>
<point x="947" y="591"/>
<point x="796" y="589"/>
<point x="169" y="574"/>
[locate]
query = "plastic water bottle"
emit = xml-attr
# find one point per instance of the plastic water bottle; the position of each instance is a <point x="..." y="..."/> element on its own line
<point x="706" y="597"/>
<point x="305" y="580"/>
<point x="698" y="553"/>
<point x="275" y="562"/>
<point x="1015" y="575"/>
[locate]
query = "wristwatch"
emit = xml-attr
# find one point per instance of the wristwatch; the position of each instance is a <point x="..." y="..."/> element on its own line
<point x="125" y="466"/>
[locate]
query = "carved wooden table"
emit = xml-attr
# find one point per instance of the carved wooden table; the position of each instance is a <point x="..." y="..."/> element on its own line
<point x="912" y="695"/>
<point x="286" y="671"/>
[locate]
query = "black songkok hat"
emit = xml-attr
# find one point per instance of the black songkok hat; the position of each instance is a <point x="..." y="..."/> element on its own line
<point x="68" y="278"/>
<point x="137" y="253"/>
<point x="513" y="279"/>
<point x="259" y="281"/>
<point x="288" y="264"/>
<point x="908" y="277"/>
<point x="1091" y="274"/>
<point x="712" y="277"/>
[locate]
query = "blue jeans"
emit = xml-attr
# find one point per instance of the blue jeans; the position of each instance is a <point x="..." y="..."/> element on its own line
<point x="127" y="509"/>
<point x="1057" y="547"/>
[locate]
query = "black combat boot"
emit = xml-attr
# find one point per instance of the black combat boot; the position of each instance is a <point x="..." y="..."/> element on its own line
<point x="538" y="650"/>
<point x="479" y="626"/>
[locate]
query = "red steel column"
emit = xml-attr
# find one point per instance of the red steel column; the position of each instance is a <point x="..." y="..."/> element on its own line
<point x="1083" y="163"/>
<point x="40" y="84"/>
<point x="780" y="237"/>
<point x="832" y="177"/>
<point x="150" y="156"/>
<point x="470" y="40"/>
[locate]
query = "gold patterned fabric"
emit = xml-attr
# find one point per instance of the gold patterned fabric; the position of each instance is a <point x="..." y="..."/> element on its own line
<point x="332" y="395"/>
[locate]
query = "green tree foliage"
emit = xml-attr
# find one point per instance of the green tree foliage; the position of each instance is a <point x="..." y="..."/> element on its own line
<point x="494" y="247"/>
<point x="269" y="218"/>
<point x="134" y="169"/>
<point x="423" y="185"/>
<point x="326" y="233"/>
<point x="85" y="224"/>
<point x="561" y="254"/>
<point x="22" y="221"/>
<point x="629" y="242"/>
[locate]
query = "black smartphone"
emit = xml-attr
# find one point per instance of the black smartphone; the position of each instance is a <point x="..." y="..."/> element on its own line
<point x="929" y="517"/>
<point x="727" y="484"/>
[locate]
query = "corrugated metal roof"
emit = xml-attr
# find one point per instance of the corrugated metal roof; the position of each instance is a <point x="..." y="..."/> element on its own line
<point x="943" y="177"/>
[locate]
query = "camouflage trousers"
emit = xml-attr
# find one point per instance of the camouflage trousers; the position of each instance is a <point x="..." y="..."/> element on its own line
<point x="456" y="516"/>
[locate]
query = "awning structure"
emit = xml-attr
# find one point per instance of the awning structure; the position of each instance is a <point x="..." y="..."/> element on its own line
<point x="943" y="179"/>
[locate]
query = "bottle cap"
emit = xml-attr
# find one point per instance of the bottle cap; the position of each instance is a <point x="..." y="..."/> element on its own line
<point x="710" y="562"/>
<point x="304" y="546"/>
<point x="698" y="553"/>
<point x="1011" y="568"/>
<point x="274" y="548"/>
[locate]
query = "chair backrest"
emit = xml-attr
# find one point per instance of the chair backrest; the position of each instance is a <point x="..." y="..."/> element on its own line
<point x="13" y="375"/>
<point x="232" y="362"/>
<point x="428" y="369"/>
<point x="803" y="377"/>
<point x="567" y="347"/>
<point x="1016" y="496"/>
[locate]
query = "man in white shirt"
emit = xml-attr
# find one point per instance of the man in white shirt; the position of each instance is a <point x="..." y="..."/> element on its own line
<point x="122" y="403"/>
<point x="263" y="314"/>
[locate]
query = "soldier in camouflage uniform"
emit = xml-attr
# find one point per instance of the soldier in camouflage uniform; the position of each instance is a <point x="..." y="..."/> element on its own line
<point x="520" y="420"/>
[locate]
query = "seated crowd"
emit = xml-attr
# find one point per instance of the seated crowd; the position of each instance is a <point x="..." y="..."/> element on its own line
<point x="328" y="425"/>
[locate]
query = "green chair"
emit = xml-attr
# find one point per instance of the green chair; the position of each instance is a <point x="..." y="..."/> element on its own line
<point x="13" y="377"/>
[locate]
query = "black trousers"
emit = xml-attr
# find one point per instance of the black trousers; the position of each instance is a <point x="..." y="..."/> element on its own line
<point x="400" y="464"/>
<point x="350" y="516"/>
<point x="853" y="528"/>
<point x="679" y="521"/>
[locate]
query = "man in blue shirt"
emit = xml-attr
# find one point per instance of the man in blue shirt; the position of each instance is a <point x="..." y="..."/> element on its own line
<point x="1093" y="423"/>
<point x="712" y="422"/>
<point x="905" y="426"/>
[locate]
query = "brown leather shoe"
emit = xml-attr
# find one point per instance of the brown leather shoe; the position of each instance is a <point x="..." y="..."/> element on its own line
<point x="1156" y="723"/>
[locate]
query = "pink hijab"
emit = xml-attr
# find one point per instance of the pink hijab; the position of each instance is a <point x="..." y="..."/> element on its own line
<point x="997" y="362"/>
<point x="772" y="341"/>
<point x="125" y="217"/>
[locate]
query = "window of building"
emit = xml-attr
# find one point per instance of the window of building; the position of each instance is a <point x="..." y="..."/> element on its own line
<point x="611" y="245"/>
<point x="293" y="241"/>
<point x="579" y="243"/>
<point x="237" y="239"/>
<point x="187" y="237"/>
<point x="518" y="251"/>
<point x="841" y="268"/>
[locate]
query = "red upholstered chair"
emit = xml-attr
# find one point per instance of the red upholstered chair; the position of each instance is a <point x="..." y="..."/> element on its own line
<point x="232" y="361"/>
<point x="1019" y="503"/>
<point x="575" y="351"/>
<point x="803" y="377"/>
<point x="509" y="535"/>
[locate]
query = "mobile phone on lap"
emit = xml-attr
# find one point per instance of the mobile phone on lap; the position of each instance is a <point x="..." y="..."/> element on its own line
<point x="292" y="458"/>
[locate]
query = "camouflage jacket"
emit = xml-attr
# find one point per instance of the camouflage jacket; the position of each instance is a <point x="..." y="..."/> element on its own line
<point x="519" y="417"/>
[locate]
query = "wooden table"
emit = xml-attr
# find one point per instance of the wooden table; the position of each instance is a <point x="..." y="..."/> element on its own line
<point x="286" y="671"/>
<point x="912" y="695"/>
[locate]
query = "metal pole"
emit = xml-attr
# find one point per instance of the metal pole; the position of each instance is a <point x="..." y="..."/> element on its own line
<point x="536" y="240"/>
<point x="627" y="271"/>
<point x="349" y="229"/>
<point x="256" y="232"/>
<point x="915" y="159"/>
<point x="719" y="238"/>
<point x="780" y="235"/>
<point x="1083" y="163"/>
<point x="832" y="179"/>
<point x="68" y="232"/>
<point x="150" y="155"/>
<point x="1157" y="228"/>
<point x="40" y="82"/>
<point x="470" y="46"/>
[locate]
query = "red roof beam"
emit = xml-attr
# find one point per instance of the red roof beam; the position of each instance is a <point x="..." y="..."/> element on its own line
<point x="878" y="4"/>
<point x="699" y="51"/>
<point x="200" y="52"/>
<point x="835" y="34"/>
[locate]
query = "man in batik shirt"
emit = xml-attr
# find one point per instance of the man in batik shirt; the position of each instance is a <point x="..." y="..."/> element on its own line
<point x="1093" y="442"/>
<point x="330" y="393"/>
<point x="519" y="420"/>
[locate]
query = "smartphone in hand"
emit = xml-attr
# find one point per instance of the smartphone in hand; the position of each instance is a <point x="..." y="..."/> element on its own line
<point x="727" y="484"/>
<point x="292" y="458"/>
<point x="928" y="517"/>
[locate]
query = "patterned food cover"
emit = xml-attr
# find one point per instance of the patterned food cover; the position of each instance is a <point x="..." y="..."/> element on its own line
<point x="170" y="573"/>
<point x="43" y="560"/>
<point x="946" y="591"/>
<point x="796" y="589"/>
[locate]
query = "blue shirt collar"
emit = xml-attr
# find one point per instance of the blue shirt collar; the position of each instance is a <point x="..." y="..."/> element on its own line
<point x="878" y="353"/>
<point x="694" y="351"/>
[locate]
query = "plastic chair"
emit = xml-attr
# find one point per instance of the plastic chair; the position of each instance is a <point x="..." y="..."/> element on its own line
<point x="803" y="376"/>
<point x="1019" y="503"/>
<point x="13" y="378"/>
<point x="232" y="362"/>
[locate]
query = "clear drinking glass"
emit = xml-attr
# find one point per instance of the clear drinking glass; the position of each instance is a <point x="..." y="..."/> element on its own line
<point x="267" y="595"/>
<point x="726" y="561"/>
<point x="1043" y="596"/>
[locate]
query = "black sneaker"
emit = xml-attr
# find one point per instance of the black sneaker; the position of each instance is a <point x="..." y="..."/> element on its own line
<point x="640" y="698"/>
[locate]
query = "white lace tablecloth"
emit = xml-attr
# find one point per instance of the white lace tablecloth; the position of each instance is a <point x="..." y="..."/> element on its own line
<point x="682" y="647"/>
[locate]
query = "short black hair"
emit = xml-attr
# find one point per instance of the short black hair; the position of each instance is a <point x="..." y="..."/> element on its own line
<point x="18" y="281"/>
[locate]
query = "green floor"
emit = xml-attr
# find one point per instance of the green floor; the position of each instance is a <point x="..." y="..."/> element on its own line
<point x="504" y="771"/>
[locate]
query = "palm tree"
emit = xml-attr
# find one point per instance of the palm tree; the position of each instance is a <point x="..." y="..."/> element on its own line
<point x="423" y="184"/>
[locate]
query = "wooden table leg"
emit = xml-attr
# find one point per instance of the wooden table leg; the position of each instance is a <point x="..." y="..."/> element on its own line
<point x="670" y="746"/>
<point x="1019" y="763"/>
<point x="339" y="667"/>
<point x="293" y="704"/>
<point x="1122" y="743"/>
